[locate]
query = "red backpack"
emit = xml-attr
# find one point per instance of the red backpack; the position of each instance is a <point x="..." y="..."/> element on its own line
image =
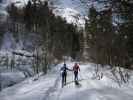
<point x="76" y="67"/>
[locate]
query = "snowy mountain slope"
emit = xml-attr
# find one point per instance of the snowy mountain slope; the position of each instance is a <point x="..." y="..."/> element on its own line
<point x="18" y="2"/>
<point x="74" y="11"/>
<point x="49" y="87"/>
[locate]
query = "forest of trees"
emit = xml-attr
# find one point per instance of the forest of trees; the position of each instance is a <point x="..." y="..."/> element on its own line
<point x="55" y="37"/>
<point x="109" y="34"/>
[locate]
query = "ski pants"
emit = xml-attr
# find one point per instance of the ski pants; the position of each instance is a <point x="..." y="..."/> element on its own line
<point x="75" y="75"/>
<point x="64" y="75"/>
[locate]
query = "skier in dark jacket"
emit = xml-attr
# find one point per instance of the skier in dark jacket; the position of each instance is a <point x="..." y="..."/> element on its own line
<point x="64" y="74"/>
<point x="76" y="69"/>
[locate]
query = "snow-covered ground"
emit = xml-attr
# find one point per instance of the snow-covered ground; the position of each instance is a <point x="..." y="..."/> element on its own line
<point x="10" y="78"/>
<point x="48" y="87"/>
<point x="14" y="68"/>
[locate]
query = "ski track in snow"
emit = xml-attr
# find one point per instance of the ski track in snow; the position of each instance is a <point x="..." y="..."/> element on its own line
<point x="48" y="87"/>
<point x="52" y="88"/>
<point x="89" y="89"/>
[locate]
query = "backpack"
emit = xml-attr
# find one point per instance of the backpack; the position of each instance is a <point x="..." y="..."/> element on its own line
<point x="76" y="68"/>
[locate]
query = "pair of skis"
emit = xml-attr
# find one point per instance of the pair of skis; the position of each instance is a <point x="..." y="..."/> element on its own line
<point x="76" y="83"/>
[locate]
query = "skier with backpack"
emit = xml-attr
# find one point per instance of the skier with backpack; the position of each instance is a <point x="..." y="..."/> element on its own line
<point x="64" y="73"/>
<point x="76" y="69"/>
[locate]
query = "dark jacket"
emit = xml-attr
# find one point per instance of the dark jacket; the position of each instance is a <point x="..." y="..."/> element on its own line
<point x="64" y="69"/>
